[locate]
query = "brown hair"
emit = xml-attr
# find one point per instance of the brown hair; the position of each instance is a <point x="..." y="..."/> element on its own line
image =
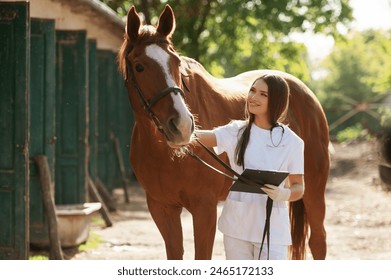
<point x="278" y="99"/>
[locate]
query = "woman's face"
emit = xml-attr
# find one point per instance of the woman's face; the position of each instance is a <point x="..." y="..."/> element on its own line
<point x="258" y="98"/>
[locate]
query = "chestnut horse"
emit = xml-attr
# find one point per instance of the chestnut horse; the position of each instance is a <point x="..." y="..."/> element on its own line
<point x="170" y="95"/>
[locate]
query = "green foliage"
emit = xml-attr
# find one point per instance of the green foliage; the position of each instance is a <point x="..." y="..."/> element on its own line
<point x="358" y="80"/>
<point x="232" y="36"/>
<point x="353" y="133"/>
<point x="385" y="119"/>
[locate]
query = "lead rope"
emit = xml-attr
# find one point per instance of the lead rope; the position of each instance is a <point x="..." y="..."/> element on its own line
<point x="266" y="231"/>
<point x="269" y="202"/>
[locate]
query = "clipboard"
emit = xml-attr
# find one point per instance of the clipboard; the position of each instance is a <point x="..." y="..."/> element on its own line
<point x="259" y="176"/>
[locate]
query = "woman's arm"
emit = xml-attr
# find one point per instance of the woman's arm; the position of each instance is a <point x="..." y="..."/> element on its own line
<point x="206" y="137"/>
<point x="296" y="185"/>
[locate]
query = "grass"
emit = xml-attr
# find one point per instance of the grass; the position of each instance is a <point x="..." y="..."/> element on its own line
<point x="92" y="243"/>
<point x="39" y="257"/>
<point x="97" y="221"/>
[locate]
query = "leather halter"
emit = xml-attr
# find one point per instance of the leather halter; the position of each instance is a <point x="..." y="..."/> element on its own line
<point x="148" y="104"/>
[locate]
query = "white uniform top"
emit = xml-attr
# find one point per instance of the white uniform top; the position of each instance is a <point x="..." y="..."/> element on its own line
<point x="244" y="214"/>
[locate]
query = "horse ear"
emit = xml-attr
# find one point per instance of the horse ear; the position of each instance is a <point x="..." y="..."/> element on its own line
<point x="166" y="24"/>
<point x="133" y="24"/>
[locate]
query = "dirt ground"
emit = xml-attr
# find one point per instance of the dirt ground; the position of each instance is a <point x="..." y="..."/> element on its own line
<point x="358" y="219"/>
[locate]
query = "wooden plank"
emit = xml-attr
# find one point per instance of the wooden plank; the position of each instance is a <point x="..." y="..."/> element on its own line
<point x="93" y="110"/>
<point x="50" y="208"/>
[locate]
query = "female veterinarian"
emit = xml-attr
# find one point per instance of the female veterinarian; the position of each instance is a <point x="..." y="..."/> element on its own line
<point x="260" y="142"/>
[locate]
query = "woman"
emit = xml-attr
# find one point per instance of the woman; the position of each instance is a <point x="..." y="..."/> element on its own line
<point x="260" y="142"/>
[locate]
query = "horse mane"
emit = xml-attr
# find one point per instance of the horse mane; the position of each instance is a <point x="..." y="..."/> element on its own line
<point x="190" y="62"/>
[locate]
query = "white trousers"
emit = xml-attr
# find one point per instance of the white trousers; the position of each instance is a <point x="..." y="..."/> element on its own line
<point x="236" y="249"/>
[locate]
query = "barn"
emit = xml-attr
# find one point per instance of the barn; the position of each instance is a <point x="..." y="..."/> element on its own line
<point x="61" y="97"/>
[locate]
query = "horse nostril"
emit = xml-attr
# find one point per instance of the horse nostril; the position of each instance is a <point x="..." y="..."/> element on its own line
<point x="192" y="124"/>
<point x="172" y="126"/>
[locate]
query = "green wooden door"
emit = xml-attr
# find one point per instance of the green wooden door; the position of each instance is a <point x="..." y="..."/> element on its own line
<point x="14" y="135"/>
<point x="42" y="104"/>
<point x="71" y="123"/>
<point x="126" y="121"/>
<point x="115" y="119"/>
<point x="108" y="169"/>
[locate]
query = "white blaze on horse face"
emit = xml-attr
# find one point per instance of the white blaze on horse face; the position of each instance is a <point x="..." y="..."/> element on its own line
<point x="184" y="123"/>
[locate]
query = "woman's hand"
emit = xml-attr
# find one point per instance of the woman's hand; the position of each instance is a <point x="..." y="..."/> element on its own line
<point x="276" y="193"/>
<point x="292" y="192"/>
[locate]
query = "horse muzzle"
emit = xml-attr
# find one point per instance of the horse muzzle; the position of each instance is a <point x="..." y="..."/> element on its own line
<point x="179" y="130"/>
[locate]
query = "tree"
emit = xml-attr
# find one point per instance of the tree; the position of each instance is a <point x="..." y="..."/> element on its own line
<point x="232" y="36"/>
<point x="358" y="81"/>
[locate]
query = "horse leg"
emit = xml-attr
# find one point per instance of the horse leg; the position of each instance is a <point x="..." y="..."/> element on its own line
<point x="315" y="205"/>
<point x="168" y="220"/>
<point x="204" y="224"/>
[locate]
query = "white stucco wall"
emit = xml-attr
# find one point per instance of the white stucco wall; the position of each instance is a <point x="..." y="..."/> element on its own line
<point x="101" y="25"/>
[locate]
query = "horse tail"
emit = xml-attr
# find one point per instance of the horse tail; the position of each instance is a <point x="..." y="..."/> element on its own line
<point x="299" y="229"/>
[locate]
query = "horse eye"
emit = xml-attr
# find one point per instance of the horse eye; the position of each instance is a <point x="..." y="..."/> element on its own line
<point x="139" y="67"/>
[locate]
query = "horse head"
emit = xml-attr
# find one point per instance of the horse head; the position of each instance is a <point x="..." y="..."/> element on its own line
<point x="151" y="68"/>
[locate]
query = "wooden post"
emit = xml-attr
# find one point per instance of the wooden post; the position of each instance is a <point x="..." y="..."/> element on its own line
<point x="49" y="206"/>
<point x="125" y="181"/>
<point x="104" y="193"/>
<point x="95" y="195"/>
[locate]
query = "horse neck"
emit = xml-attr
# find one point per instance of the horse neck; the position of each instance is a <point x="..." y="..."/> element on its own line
<point x="214" y="101"/>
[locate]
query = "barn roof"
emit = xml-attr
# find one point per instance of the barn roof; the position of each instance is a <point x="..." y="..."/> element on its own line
<point x="99" y="8"/>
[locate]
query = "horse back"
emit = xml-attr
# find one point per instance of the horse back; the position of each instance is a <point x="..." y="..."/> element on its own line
<point x="223" y="100"/>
